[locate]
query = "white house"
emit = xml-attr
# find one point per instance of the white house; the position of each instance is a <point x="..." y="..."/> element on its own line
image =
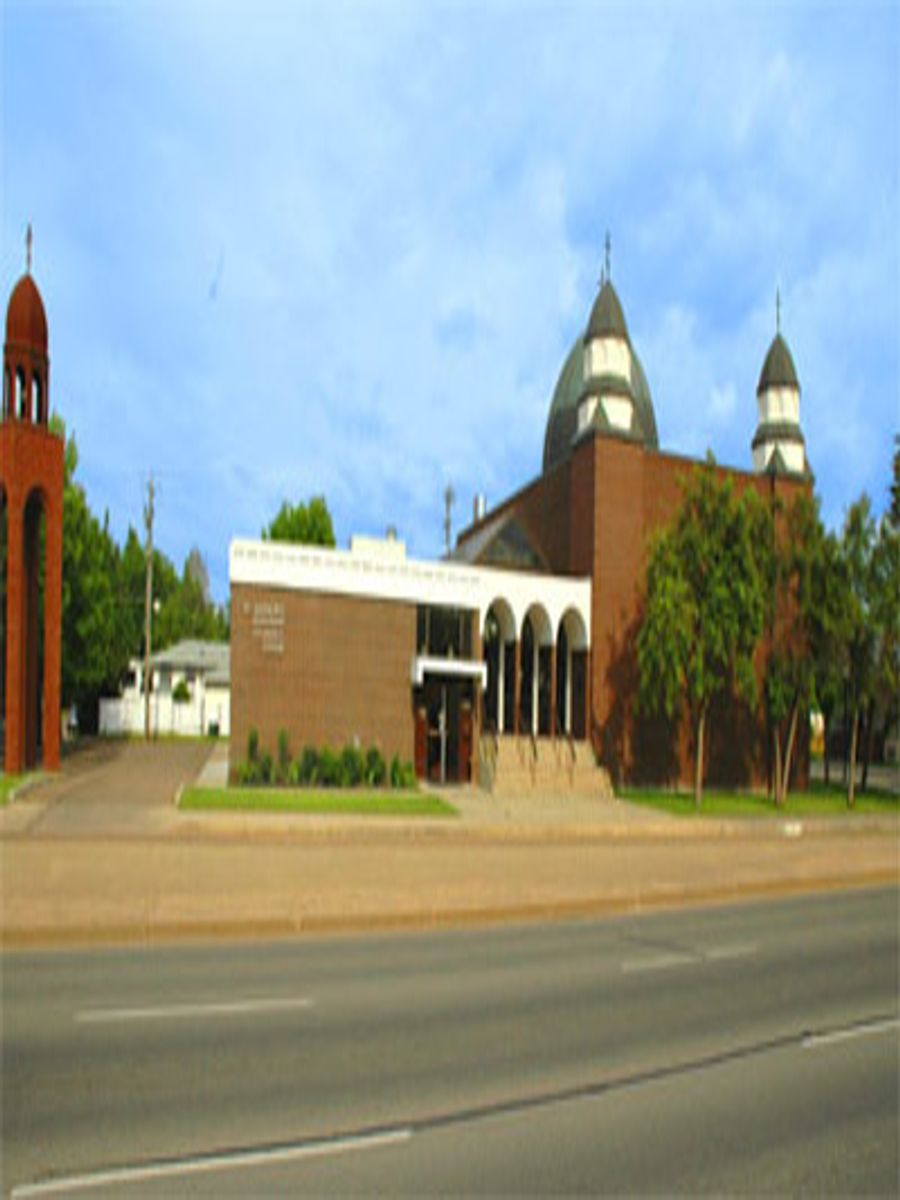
<point x="190" y="693"/>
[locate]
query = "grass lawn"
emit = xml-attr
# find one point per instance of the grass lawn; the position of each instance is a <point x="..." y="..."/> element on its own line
<point x="7" y="785"/>
<point x="819" y="801"/>
<point x="317" y="800"/>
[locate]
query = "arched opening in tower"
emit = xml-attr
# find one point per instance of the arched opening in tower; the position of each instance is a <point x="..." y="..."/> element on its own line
<point x="4" y="546"/>
<point x="34" y="566"/>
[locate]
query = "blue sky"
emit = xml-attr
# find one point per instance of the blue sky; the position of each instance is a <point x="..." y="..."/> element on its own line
<point x="344" y="248"/>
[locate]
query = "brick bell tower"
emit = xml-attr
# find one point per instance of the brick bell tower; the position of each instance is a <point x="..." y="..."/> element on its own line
<point x="31" y="488"/>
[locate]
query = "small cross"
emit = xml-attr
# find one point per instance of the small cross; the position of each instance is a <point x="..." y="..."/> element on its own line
<point x="778" y="310"/>
<point x="608" y="248"/>
<point x="29" y="238"/>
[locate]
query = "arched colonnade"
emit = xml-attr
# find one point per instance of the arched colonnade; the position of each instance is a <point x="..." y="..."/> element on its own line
<point x="537" y="669"/>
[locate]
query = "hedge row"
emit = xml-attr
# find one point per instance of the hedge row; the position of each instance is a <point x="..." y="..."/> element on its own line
<point x="348" y="768"/>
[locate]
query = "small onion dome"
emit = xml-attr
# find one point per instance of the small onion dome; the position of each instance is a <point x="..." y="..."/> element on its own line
<point x="26" y="320"/>
<point x="607" y="319"/>
<point x="778" y="369"/>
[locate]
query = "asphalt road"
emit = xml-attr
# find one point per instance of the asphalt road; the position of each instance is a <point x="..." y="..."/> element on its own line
<point x="749" y="1049"/>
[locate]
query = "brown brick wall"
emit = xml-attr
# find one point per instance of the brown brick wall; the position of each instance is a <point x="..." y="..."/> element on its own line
<point x="31" y="462"/>
<point x="326" y="668"/>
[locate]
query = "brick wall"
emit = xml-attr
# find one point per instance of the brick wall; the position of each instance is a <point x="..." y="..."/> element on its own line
<point x="594" y="514"/>
<point x="326" y="668"/>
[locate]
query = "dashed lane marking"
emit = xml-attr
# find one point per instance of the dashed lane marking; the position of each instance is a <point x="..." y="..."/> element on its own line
<point x="170" y="1012"/>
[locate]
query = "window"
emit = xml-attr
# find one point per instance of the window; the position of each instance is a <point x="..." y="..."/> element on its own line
<point x="444" y="632"/>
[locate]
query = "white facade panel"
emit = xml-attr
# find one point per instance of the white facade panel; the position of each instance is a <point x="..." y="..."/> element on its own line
<point x="413" y="581"/>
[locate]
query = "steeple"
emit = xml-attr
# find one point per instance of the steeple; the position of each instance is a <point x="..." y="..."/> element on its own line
<point x="778" y="444"/>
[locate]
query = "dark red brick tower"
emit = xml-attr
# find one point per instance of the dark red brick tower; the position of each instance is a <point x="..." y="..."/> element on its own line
<point x="31" y="487"/>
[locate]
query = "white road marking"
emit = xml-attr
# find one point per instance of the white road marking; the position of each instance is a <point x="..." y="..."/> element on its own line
<point x="664" y="962"/>
<point x="724" y="953"/>
<point x="659" y="962"/>
<point x="814" y="1040"/>
<point x="169" y="1012"/>
<point x="238" y="1160"/>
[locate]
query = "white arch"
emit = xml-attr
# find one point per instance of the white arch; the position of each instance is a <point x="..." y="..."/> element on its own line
<point x="576" y="630"/>
<point x="541" y="625"/>
<point x="506" y="619"/>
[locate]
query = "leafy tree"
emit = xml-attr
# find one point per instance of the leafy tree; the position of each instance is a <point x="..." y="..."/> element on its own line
<point x="195" y="568"/>
<point x="94" y="635"/>
<point x="103" y="592"/>
<point x="790" y="553"/>
<point x="828" y="634"/>
<point x="308" y="523"/>
<point x="704" y="607"/>
<point x="858" y="545"/>
<point x="183" y="610"/>
<point x="884" y="615"/>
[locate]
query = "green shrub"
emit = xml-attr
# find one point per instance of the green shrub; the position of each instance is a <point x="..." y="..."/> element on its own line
<point x="402" y="774"/>
<point x="253" y="745"/>
<point x="266" y="768"/>
<point x="308" y="765"/>
<point x="376" y="768"/>
<point x="284" y="756"/>
<point x="329" y="768"/>
<point x="181" y="693"/>
<point x="242" y="774"/>
<point x="353" y="766"/>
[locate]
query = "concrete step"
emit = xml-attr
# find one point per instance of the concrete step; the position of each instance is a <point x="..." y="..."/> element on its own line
<point x="523" y="764"/>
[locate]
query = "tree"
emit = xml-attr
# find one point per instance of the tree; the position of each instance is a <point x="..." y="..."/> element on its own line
<point x="94" y="633"/>
<point x="857" y="548"/>
<point x="184" y="612"/>
<point x="195" y="567"/>
<point x="790" y="549"/>
<point x="103" y="599"/>
<point x="308" y="523"/>
<point x="830" y="605"/>
<point x="884" y="614"/>
<point x="704" y="607"/>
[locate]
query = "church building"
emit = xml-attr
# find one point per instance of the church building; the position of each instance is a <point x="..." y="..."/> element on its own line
<point x="516" y="654"/>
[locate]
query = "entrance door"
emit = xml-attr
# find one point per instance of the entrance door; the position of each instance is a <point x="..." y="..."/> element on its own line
<point x="447" y="705"/>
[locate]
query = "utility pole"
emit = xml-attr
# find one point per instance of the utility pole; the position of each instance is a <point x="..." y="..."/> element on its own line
<point x="148" y="605"/>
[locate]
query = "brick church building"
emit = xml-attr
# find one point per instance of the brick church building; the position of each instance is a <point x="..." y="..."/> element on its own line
<point x="520" y="646"/>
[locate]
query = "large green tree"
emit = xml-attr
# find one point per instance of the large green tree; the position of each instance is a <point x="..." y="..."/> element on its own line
<point x="790" y="549"/>
<point x="828" y="634"/>
<point x="704" y="607"/>
<point x="309" y="523"/>
<point x="103" y="600"/>
<point x="94" y="633"/>
<point x="858" y="547"/>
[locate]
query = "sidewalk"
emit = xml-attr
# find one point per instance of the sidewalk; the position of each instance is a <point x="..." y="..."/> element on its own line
<point x="240" y="875"/>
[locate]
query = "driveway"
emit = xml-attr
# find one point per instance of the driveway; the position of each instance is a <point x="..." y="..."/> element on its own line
<point x="110" y="788"/>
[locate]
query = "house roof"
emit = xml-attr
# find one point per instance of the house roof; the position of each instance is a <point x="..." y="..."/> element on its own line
<point x="207" y="658"/>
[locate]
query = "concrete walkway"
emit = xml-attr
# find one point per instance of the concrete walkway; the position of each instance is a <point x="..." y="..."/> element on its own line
<point x="101" y="854"/>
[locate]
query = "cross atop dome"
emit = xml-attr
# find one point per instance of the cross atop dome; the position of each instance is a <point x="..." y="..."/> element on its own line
<point x="29" y="241"/>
